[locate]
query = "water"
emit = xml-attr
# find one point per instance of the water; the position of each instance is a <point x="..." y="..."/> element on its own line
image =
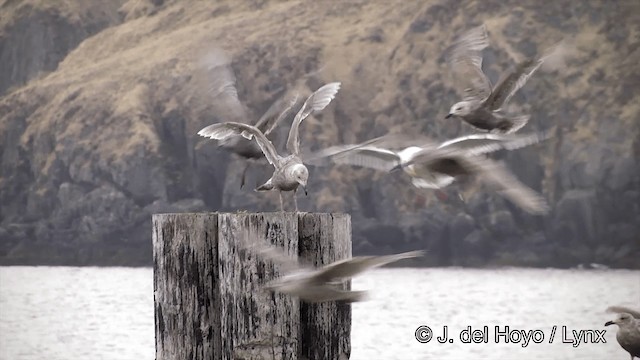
<point x="107" y="313"/>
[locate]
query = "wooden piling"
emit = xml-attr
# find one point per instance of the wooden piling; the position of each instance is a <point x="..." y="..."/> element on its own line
<point x="208" y="298"/>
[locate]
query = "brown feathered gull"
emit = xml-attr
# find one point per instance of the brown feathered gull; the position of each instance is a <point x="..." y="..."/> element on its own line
<point x="628" y="334"/>
<point x="483" y="105"/>
<point x="289" y="172"/>
<point x="435" y="166"/>
<point x="221" y="84"/>
<point x="323" y="283"/>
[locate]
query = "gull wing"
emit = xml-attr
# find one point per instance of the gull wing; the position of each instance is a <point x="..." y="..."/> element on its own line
<point x="316" y="294"/>
<point x="345" y="269"/>
<point x="224" y="130"/>
<point x="269" y="121"/>
<point x="477" y="144"/>
<point x="388" y="140"/>
<point x="218" y="80"/>
<point x="368" y="156"/>
<point x="465" y="61"/>
<point x="510" y="83"/>
<point x="498" y="176"/>
<point x="276" y="255"/>
<point x="315" y="102"/>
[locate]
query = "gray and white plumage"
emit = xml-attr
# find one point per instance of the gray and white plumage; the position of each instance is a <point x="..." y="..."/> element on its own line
<point x="483" y="105"/>
<point x="434" y="166"/>
<point x="456" y="161"/>
<point x="290" y="172"/>
<point x="221" y="85"/>
<point x="323" y="283"/>
<point x="628" y="334"/>
<point x="623" y="309"/>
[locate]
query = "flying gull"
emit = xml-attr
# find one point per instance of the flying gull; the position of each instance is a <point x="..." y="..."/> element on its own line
<point x="482" y="105"/>
<point x="433" y="166"/>
<point x="289" y="172"/>
<point x="222" y="86"/>
<point x="628" y="335"/>
<point x="323" y="283"/>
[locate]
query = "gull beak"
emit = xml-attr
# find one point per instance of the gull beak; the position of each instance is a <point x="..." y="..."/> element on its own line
<point x="396" y="168"/>
<point x="448" y="116"/>
<point x="304" y="187"/>
<point x="609" y="323"/>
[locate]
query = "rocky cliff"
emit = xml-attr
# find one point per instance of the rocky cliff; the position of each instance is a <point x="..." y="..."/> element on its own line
<point x="101" y="103"/>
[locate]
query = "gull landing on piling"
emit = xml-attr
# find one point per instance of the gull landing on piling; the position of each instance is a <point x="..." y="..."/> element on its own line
<point x="290" y="172"/>
<point x="218" y="82"/>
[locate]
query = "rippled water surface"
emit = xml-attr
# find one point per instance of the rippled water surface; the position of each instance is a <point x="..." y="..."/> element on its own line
<point x="107" y="313"/>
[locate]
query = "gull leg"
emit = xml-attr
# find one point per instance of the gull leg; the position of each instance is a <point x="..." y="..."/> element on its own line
<point x="244" y="175"/>
<point x="281" y="201"/>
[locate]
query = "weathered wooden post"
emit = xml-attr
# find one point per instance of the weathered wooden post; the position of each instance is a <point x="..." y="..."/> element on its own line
<point x="208" y="298"/>
<point x="324" y="334"/>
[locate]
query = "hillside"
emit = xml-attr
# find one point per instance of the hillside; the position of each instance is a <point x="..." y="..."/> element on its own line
<point x="100" y="106"/>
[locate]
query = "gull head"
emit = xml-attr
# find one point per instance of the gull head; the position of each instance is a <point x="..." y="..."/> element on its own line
<point x="461" y="108"/>
<point x="621" y="320"/>
<point x="301" y="175"/>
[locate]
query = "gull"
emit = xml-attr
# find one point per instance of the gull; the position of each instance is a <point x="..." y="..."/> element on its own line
<point x="482" y="105"/>
<point x="228" y="106"/>
<point x="628" y="335"/>
<point x="322" y="283"/>
<point x="455" y="161"/>
<point x="289" y="172"/>
<point x="624" y="309"/>
<point x="433" y="166"/>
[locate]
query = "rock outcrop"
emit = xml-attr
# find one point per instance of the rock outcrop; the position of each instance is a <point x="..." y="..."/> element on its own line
<point x="101" y="103"/>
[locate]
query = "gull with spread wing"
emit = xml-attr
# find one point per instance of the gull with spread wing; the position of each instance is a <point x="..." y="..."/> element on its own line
<point x="433" y="166"/>
<point x="323" y="283"/>
<point x="483" y="106"/>
<point x="289" y="172"/>
<point x="221" y="84"/>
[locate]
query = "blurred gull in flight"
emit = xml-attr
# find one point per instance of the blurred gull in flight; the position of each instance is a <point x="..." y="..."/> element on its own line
<point x="482" y="105"/>
<point x="323" y="283"/>
<point x="289" y="172"/>
<point x="434" y="166"/>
